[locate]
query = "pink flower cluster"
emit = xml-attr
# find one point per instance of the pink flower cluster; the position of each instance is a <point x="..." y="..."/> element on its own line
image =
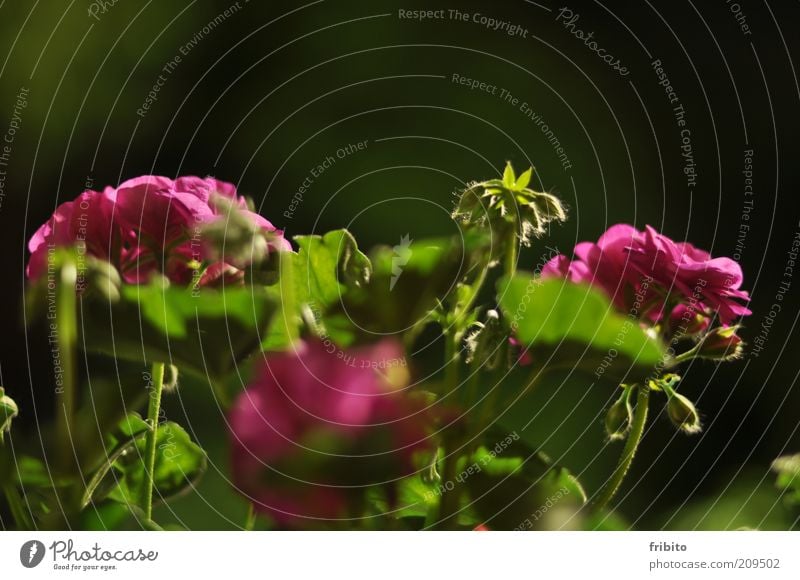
<point x="149" y="224"/>
<point x="314" y="429"/>
<point x="651" y="275"/>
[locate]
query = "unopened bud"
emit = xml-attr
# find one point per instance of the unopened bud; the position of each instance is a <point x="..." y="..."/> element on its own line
<point x="170" y="378"/>
<point x="484" y="344"/>
<point x="509" y="202"/>
<point x="234" y="237"/>
<point x="8" y="410"/>
<point x="619" y="417"/>
<point x="721" y="344"/>
<point x="683" y="414"/>
<point x="102" y="278"/>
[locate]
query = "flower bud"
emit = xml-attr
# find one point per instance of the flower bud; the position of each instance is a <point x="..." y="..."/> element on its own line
<point x="170" y="378"/>
<point x="470" y="208"/>
<point x="683" y="414"/>
<point x="101" y="277"/>
<point x="484" y="344"/>
<point x="235" y="238"/>
<point x="721" y="344"/>
<point x="8" y="410"/>
<point x="619" y="417"/>
<point x="509" y="202"/>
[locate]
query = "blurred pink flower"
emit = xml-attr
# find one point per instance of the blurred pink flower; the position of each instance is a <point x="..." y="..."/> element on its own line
<point x="638" y="270"/>
<point x="149" y="224"/>
<point x="317" y="424"/>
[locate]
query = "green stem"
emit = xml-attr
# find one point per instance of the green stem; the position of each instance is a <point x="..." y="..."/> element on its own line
<point x="18" y="512"/>
<point x="250" y="518"/>
<point x="153" y="411"/>
<point x="451" y="363"/>
<point x="67" y="333"/>
<point x="288" y="300"/>
<point x="510" y="266"/>
<point x="685" y="356"/>
<point x="632" y="443"/>
<point x="448" y="504"/>
<point x="475" y="290"/>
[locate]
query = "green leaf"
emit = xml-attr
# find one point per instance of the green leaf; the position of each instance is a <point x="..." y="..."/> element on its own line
<point x="105" y="516"/>
<point x="606" y="521"/>
<point x="413" y="499"/>
<point x="327" y="265"/>
<point x="509" y="481"/>
<point x="511" y="454"/>
<point x="788" y="470"/>
<point x="524" y="179"/>
<point x="179" y="465"/>
<point x="509" y="179"/>
<point x="205" y="332"/>
<point x="407" y="283"/>
<point x="577" y="323"/>
<point x="321" y="273"/>
<point x="523" y="492"/>
<point x="121" y="442"/>
<point x="32" y="472"/>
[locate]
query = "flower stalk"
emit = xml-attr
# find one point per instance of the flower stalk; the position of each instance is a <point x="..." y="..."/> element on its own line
<point x="153" y="412"/>
<point x="628" y="453"/>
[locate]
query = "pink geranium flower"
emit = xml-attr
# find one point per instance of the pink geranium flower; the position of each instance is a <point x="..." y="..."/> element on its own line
<point x="648" y="274"/>
<point x="318" y="424"/>
<point x="150" y="224"/>
<point x="88" y="220"/>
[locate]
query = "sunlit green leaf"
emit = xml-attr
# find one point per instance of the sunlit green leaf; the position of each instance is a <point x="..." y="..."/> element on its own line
<point x="325" y="265"/>
<point x="509" y="179"/>
<point x="413" y="498"/>
<point x="524" y="179"/>
<point x="321" y="272"/>
<point x="575" y="322"/>
<point x="205" y="332"/>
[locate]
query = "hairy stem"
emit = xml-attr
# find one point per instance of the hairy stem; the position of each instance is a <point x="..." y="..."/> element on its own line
<point x="67" y="333"/>
<point x="475" y="290"/>
<point x="632" y="443"/>
<point x="153" y="412"/>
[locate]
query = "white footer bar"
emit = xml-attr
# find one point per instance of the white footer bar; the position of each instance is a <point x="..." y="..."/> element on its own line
<point x="388" y="555"/>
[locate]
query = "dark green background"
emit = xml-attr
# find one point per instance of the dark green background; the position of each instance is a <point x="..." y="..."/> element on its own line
<point x="279" y="86"/>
